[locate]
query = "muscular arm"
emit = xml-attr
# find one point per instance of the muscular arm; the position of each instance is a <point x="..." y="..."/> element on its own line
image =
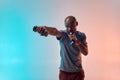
<point x="50" y="31"/>
<point x="84" y="48"/>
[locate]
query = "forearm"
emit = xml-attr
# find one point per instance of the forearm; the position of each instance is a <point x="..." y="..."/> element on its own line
<point x="84" y="49"/>
<point x="53" y="31"/>
<point x="50" y="31"/>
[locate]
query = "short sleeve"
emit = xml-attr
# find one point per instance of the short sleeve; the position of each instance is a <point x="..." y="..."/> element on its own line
<point x="83" y="37"/>
<point x="62" y="37"/>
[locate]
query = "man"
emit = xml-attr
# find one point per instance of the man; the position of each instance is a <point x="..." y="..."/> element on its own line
<point x="73" y="44"/>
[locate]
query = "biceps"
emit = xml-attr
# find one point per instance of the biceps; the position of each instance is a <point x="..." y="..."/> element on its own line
<point x="59" y="34"/>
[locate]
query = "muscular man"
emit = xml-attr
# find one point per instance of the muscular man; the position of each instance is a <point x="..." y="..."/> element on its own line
<point x="72" y="45"/>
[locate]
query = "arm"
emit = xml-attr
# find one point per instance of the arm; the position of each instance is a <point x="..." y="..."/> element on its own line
<point x="49" y="31"/>
<point x="84" y="48"/>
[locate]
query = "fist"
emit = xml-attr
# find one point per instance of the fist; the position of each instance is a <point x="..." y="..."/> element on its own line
<point x="34" y="28"/>
<point x="41" y="30"/>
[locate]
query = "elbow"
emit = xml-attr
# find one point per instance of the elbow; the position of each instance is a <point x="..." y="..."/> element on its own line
<point x="85" y="53"/>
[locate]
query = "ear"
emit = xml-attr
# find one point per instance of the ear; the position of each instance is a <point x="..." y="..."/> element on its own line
<point x="76" y="23"/>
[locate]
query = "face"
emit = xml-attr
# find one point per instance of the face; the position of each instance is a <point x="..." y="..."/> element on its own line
<point x="71" y="29"/>
<point x="71" y="24"/>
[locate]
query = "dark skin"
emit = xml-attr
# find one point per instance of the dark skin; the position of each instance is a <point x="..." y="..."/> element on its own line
<point x="71" y="26"/>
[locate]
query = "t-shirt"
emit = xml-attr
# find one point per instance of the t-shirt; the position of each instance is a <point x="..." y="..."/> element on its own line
<point x="70" y="54"/>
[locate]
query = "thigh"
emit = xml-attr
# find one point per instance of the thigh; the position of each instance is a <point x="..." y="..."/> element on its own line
<point x="63" y="75"/>
<point x="80" y="75"/>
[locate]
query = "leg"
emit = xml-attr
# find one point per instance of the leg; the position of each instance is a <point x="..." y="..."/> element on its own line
<point x="62" y="75"/>
<point x="80" y="75"/>
<point x="71" y="75"/>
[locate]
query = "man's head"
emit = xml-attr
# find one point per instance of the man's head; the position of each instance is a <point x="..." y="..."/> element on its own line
<point x="71" y="23"/>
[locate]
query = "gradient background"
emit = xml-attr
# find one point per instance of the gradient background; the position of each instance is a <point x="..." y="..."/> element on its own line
<point x="24" y="55"/>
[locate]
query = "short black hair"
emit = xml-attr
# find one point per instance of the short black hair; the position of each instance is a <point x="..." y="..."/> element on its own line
<point x="69" y="21"/>
<point x="70" y="17"/>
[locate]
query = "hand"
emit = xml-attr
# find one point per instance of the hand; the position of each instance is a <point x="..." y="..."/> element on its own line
<point x="42" y="31"/>
<point x="77" y="43"/>
<point x="74" y="38"/>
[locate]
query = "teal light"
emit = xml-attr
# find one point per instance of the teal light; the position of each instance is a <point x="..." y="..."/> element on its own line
<point x="24" y="55"/>
<point x="13" y="46"/>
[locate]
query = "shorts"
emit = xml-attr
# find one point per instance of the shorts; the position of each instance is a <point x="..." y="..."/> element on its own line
<point x="71" y="75"/>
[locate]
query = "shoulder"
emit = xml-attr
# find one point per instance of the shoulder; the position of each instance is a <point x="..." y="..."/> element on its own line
<point x="63" y="35"/>
<point x="63" y="31"/>
<point x="81" y="35"/>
